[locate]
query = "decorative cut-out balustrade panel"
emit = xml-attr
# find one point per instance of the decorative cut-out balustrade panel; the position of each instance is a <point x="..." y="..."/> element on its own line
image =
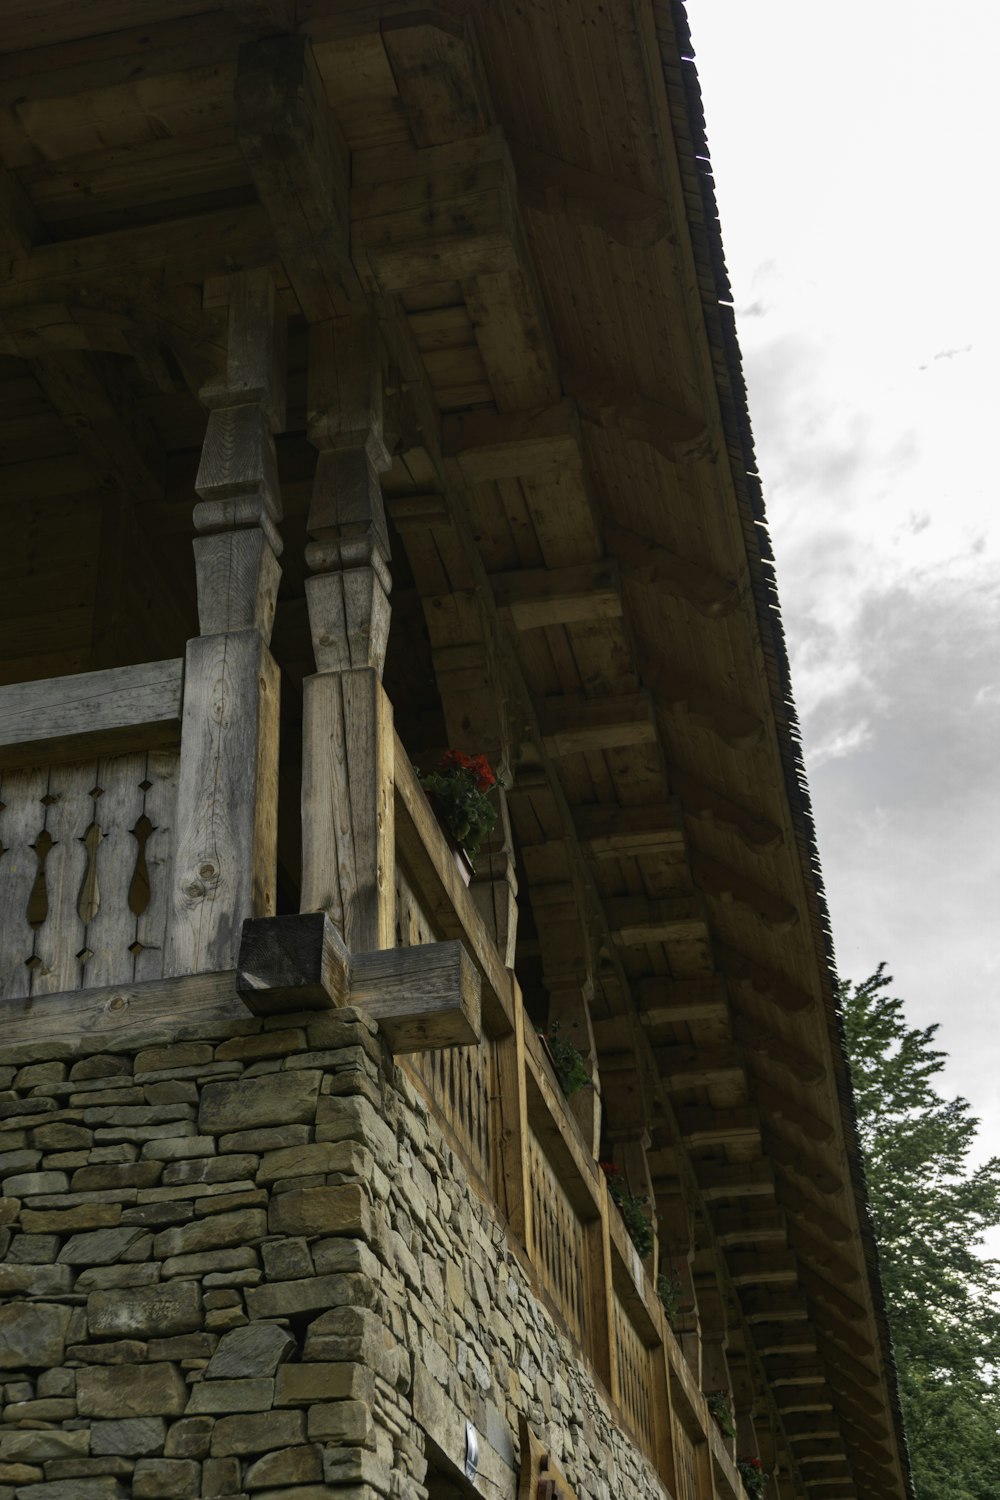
<point x="635" y="1378"/>
<point x="558" y="1248"/>
<point x="85" y="853"/>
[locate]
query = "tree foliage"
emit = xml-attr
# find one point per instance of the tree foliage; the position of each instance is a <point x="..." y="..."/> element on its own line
<point x="931" y="1208"/>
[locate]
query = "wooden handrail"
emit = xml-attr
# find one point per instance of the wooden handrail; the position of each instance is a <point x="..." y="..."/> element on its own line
<point x="91" y="713"/>
<point x="427" y="857"/>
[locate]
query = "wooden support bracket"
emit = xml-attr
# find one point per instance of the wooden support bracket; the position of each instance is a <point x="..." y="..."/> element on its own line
<point x="422" y="998"/>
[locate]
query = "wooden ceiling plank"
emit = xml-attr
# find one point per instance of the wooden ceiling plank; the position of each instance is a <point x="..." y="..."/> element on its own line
<point x="497" y="445"/>
<point x="550" y="185"/>
<point x="718" y="879"/>
<point x="609" y="830"/>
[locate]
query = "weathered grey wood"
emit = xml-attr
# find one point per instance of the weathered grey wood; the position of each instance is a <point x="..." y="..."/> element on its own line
<point x="92" y="712"/>
<point x="22" y="818"/>
<point x="575" y="724"/>
<point x="60" y="937"/>
<point x="125" y="1014"/>
<point x="348" y="839"/>
<point x="160" y="807"/>
<point x="226" y="861"/>
<point x="238" y="579"/>
<point x="296" y="962"/>
<point x="438" y="76"/>
<point x="256" y="350"/>
<point x="422" y="998"/>
<point x="111" y="930"/>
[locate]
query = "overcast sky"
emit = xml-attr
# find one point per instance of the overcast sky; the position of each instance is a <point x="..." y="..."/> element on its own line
<point x="854" y="156"/>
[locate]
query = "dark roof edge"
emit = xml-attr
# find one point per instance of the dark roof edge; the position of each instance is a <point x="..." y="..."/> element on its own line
<point x="684" y="94"/>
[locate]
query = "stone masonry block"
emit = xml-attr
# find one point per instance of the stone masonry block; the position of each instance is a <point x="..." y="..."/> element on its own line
<point x="212" y="1233"/>
<point x="258" y="1433"/>
<point x="142" y="1312"/>
<point x="321" y="1158"/>
<point x="135" y="1437"/>
<point x="339" y="1210"/>
<point x="340" y="1119"/>
<point x="158" y="1390"/>
<point x="298" y="1385"/>
<point x="166" y="1479"/>
<point x="273" y="1099"/>
<point x="32" y="1334"/>
<point x="254" y="1350"/>
<point x="285" y="1466"/>
<point x="223" y="1396"/>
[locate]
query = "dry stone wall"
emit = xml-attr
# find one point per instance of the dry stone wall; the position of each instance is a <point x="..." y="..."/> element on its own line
<point x="249" y="1265"/>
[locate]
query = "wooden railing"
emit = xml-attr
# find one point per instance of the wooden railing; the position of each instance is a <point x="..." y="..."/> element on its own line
<point x="87" y="817"/>
<point x="531" y="1161"/>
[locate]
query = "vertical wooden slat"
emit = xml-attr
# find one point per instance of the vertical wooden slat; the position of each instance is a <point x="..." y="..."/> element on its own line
<point x="61" y="937"/>
<point x="160" y="807"/>
<point x="22" y="818"/>
<point x="112" y="929"/>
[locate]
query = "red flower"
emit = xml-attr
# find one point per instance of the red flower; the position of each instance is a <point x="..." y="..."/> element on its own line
<point x="456" y="760"/>
<point x="609" y="1169"/>
<point x="483" y="772"/>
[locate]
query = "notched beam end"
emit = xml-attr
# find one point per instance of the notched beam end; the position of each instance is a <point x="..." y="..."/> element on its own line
<point x="422" y="998"/>
<point x="289" y="963"/>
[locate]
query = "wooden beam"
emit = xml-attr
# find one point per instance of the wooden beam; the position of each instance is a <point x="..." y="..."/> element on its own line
<point x="765" y="1226"/>
<point x="788" y="1153"/>
<point x="767" y="982"/>
<point x="679" y="435"/>
<point x="552" y="186"/>
<point x="536" y="597"/>
<point x="784" y="1338"/>
<point x="761" y="1268"/>
<point x="441" y="213"/>
<point x="801" y="1206"/>
<point x="803" y="1066"/>
<point x="492" y="445"/>
<point x="264" y="17"/>
<point x="794" y="1369"/>
<point x="300" y="167"/>
<point x="109" y="712"/>
<point x="745" y="1180"/>
<point x="784" y="1109"/>
<point x="685" y="1067"/>
<point x="667" y="1002"/>
<point x="609" y="830"/>
<point x="648" y="563"/>
<point x="438" y="76"/>
<point x="636" y="921"/>
<point x="735" y="725"/>
<point x="712" y="1127"/>
<point x="803" y="1398"/>
<point x="701" y="801"/>
<point x="187" y="249"/>
<point x="773" y="1307"/>
<point x="718" y="879"/>
<point x="577" y="725"/>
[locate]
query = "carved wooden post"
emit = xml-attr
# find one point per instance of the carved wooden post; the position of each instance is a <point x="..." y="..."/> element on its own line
<point x="348" y="834"/>
<point x="225" y="865"/>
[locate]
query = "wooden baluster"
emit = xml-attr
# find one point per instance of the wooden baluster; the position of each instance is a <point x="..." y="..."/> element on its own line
<point x="225" y="862"/>
<point x="348" y="834"/>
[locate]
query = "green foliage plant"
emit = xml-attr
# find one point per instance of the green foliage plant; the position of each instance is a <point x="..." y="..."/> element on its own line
<point x="931" y="1208"/>
<point x="752" y="1475"/>
<point x="460" y="788"/>
<point x="568" y="1061"/>
<point x="668" y="1289"/>
<point x="632" y="1209"/>
<point x="721" y="1413"/>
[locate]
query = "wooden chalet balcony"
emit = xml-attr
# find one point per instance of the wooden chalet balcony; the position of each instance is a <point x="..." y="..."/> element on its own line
<point x="98" y="807"/>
